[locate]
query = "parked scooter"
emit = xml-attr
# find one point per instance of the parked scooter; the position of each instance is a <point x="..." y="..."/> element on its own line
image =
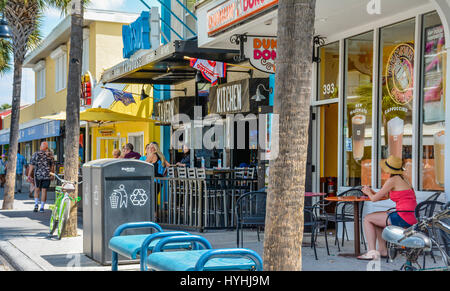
<point x="413" y="241"/>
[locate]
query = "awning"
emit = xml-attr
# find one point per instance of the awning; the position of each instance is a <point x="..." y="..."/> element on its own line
<point x="166" y="65"/>
<point x="35" y="129"/>
<point x="100" y="115"/>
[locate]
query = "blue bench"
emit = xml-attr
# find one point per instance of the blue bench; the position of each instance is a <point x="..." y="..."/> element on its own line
<point x="206" y="259"/>
<point x="132" y="246"/>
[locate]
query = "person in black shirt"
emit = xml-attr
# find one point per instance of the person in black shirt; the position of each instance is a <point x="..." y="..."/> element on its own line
<point x="186" y="160"/>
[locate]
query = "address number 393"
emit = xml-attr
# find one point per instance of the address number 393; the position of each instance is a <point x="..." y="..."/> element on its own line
<point x="328" y="89"/>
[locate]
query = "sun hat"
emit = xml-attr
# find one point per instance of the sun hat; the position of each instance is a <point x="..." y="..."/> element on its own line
<point x="393" y="165"/>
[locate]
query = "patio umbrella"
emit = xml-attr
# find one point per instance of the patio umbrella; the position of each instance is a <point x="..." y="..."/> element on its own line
<point x="100" y="115"/>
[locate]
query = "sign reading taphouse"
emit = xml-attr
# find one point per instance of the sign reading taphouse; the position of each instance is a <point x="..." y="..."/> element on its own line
<point x="234" y="11"/>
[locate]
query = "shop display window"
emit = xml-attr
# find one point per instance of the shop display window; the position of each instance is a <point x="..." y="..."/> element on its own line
<point x="432" y="102"/>
<point x="396" y="95"/>
<point x="328" y="73"/>
<point x="358" y="111"/>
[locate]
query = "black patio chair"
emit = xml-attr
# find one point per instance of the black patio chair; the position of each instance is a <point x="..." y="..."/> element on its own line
<point x="250" y="212"/>
<point x="427" y="209"/>
<point x="315" y="224"/>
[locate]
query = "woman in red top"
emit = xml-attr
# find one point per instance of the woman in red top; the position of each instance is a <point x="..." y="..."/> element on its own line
<point x="398" y="189"/>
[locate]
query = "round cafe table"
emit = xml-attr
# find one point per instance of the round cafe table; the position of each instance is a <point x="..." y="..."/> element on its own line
<point x="356" y="201"/>
<point x="311" y="194"/>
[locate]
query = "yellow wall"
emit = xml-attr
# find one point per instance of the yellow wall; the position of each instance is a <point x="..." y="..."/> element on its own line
<point x="121" y="130"/>
<point x="105" y="50"/>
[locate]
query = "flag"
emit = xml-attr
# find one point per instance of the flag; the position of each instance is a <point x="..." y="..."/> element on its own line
<point x="124" y="97"/>
<point x="211" y="70"/>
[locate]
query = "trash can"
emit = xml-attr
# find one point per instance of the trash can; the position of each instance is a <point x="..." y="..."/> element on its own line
<point x="116" y="191"/>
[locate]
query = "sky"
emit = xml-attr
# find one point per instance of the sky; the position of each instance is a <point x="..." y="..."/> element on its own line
<point x="51" y="20"/>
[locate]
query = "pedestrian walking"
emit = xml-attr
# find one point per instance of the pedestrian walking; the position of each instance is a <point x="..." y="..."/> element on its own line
<point x="21" y="164"/>
<point x="41" y="165"/>
<point x="2" y="171"/>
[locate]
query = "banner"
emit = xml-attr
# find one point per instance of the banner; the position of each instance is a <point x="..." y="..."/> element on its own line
<point x="211" y="70"/>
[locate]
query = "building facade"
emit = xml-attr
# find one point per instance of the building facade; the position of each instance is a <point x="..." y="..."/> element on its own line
<point x="102" y="48"/>
<point x="379" y="85"/>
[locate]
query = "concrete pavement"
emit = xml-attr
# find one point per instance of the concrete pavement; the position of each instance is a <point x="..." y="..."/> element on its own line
<point x="25" y="245"/>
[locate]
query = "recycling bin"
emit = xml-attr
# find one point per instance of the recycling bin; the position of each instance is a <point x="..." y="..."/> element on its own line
<point x="116" y="191"/>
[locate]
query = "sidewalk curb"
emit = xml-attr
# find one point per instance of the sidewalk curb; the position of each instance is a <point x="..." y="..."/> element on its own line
<point x="17" y="259"/>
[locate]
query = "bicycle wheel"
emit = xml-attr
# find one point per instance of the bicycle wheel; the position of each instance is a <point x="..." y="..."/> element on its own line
<point x="54" y="220"/>
<point x="65" y="207"/>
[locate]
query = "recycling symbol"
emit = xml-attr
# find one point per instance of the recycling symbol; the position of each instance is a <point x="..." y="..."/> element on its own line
<point x="139" y="197"/>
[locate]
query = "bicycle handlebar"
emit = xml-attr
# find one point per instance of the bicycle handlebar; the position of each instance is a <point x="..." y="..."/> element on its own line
<point x="64" y="181"/>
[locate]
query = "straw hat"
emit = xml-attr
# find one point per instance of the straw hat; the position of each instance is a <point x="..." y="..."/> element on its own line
<point x="393" y="165"/>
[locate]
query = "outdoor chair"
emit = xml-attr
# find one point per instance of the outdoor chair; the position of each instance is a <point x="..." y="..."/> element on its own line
<point x="343" y="213"/>
<point x="240" y="186"/>
<point x="424" y="209"/>
<point x="427" y="209"/>
<point x="312" y="220"/>
<point x="202" y="257"/>
<point x="250" y="211"/>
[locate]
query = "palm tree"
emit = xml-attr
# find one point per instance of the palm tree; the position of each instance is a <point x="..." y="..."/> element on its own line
<point x="23" y="17"/>
<point x="71" y="160"/>
<point x="285" y="201"/>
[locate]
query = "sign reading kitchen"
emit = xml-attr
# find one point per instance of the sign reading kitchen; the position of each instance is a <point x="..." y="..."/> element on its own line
<point x="239" y="96"/>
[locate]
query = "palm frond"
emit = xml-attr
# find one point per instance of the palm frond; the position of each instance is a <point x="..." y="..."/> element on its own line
<point x="5" y="56"/>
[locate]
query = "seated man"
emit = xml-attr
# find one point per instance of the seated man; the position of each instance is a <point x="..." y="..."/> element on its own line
<point x="129" y="153"/>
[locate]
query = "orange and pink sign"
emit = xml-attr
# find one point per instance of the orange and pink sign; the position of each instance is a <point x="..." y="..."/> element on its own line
<point x="234" y="11"/>
<point x="261" y="52"/>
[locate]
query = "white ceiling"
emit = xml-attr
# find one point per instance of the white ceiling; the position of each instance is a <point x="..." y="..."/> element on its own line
<point x="334" y="19"/>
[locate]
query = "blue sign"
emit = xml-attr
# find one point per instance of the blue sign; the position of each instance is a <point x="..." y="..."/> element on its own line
<point x="41" y="131"/>
<point x="136" y="36"/>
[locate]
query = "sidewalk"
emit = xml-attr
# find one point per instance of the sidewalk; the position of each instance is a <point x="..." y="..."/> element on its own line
<point x="25" y="245"/>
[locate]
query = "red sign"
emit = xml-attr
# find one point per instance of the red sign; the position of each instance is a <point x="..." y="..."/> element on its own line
<point x="233" y="11"/>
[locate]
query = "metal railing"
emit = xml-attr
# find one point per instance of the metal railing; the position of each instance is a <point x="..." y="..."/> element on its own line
<point x="199" y="203"/>
<point x="166" y="21"/>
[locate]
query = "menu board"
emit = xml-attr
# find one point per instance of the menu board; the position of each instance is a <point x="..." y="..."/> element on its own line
<point x="434" y="68"/>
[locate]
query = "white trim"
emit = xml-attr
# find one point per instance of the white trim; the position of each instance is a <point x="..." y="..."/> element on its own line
<point x="341" y="97"/>
<point x="416" y="159"/>
<point x="375" y="103"/>
<point x="138" y="134"/>
<point x="39" y="66"/>
<point x="61" y="50"/>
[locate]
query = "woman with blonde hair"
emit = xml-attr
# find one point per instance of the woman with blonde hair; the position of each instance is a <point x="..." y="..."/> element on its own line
<point x="155" y="156"/>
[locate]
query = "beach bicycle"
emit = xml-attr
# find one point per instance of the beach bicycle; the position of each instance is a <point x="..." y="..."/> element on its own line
<point x="61" y="209"/>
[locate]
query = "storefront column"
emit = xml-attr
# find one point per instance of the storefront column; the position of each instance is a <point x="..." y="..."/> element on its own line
<point x="443" y="9"/>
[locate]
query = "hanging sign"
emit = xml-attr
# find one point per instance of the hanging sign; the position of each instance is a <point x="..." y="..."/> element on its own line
<point x="243" y="96"/>
<point x="261" y="52"/>
<point x="232" y="12"/>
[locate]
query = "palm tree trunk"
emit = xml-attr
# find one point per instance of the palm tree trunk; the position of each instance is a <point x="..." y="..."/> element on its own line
<point x="71" y="160"/>
<point x="8" y="202"/>
<point x="21" y="17"/>
<point x="285" y="201"/>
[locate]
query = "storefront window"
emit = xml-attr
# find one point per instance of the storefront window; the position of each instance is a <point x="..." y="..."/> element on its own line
<point x="397" y="88"/>
<point x="358" y="110"/>
<point x="328" y="73"/>
<point x="432" y="102"/>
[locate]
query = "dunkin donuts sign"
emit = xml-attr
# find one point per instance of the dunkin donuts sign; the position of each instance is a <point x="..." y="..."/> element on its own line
<point x="261" y="52"/>
<point x="234" y="11"/>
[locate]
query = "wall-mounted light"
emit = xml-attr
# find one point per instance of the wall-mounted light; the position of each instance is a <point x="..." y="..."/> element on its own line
<point x="318" y="41"/>
<point x="258" y="96"/>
